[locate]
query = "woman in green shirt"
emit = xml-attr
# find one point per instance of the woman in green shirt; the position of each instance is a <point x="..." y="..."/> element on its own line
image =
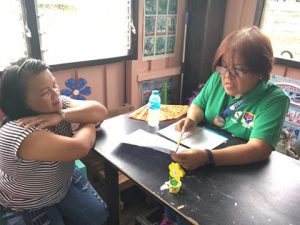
<point x="239" y="99"/>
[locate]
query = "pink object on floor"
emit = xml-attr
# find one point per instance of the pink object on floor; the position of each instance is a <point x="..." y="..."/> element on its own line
<point x="167" y="221"/>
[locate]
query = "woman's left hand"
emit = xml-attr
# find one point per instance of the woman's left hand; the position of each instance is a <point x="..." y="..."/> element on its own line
<point x="190" y="158"/>
<point x="40" y="121"/>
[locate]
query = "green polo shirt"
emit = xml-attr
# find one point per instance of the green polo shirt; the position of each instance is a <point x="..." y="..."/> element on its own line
<point x="260" y="116"/>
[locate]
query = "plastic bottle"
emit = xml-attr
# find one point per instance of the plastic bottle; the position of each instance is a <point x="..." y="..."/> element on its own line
<point x="154" y="109"/>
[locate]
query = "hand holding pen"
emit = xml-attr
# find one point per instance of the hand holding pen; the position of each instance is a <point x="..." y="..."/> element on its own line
<point x="182" y="126"/>
<point x="185" y="125"/>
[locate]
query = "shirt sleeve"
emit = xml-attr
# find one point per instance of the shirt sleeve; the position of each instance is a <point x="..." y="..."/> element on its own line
<point x="65" y="101"/>
<point x="269" y="122"/>
<point x="22" y="133"/>
<point x="202" y="98"/>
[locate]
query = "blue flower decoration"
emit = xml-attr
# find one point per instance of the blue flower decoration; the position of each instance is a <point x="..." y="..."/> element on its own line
<point x="77" y="89"/>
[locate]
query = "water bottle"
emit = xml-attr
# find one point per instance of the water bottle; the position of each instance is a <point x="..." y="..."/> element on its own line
<point x="154" y="109"/>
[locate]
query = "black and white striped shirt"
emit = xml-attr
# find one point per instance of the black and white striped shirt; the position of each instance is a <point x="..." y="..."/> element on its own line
<point x="26" y="184"/>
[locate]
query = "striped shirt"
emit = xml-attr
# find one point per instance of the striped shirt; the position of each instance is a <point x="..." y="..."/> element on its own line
<point x="26" y="184"/>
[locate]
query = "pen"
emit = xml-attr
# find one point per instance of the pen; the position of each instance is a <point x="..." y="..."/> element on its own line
<point x="179" y="141"/>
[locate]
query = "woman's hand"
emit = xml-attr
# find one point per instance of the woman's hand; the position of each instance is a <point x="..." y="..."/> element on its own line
<point x="190" y="158"/>
<point x="41" y="121"/>
<point x="185" y="125"/>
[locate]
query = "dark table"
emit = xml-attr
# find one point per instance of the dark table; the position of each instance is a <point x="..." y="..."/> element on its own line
<point x="261" y="193"/>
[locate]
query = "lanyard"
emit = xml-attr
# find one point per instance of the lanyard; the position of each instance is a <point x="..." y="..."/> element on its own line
<point x="232" y="108"/>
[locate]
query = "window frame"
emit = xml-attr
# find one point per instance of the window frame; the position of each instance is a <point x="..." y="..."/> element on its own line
<point x="257" y="20"/>
<point x="34" y="48"/>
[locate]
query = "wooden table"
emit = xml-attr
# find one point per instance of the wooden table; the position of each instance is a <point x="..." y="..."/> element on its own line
<point x="261" y="193"/>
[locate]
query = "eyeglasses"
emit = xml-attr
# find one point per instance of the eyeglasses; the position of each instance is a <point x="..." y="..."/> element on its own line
<point x="233" y="72"/>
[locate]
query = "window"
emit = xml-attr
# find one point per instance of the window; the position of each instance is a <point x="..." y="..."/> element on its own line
<point x="280" y="21"/>
<point x="68" y="33"/>
<point x="13" y="41"/>
<point x="77" y="30"/>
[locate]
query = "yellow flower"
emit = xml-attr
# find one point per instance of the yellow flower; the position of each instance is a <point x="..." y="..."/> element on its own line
<point x="176" y="171"/>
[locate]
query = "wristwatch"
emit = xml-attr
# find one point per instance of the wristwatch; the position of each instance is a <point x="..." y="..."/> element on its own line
<point x="210" y="162"/>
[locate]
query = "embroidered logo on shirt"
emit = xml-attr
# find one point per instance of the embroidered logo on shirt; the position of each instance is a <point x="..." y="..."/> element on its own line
<point x="248" y="120"/>
<point x="237" y="115"/>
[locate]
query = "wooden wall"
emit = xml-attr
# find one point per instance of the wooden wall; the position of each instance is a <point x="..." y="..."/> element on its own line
<point x="106" y="82"/>
<point x="239" y="13"/>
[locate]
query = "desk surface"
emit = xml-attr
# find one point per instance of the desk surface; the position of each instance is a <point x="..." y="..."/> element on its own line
<point x="261" y="193"/>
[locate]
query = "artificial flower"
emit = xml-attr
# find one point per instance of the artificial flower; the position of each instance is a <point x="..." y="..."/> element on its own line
<point x="176" y="171"/>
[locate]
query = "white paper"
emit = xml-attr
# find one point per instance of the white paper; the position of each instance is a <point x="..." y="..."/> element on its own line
<point x="145" y="139"/>
<point x="201" y="138"/>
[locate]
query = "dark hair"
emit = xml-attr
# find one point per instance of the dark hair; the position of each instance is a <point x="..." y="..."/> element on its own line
<point x="14" y="87"/>
<point x="252" y="46"/>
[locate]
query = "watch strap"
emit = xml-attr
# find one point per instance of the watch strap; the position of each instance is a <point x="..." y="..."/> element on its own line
<point x="210" y="161"/>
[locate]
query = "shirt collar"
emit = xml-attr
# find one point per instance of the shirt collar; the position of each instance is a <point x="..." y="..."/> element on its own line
<point x="258" y="90"/>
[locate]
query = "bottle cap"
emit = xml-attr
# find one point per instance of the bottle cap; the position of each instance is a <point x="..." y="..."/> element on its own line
<point x="155" y="92"/>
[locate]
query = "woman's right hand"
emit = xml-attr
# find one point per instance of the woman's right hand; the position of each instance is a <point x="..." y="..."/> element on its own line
<point x="185" y="125"/>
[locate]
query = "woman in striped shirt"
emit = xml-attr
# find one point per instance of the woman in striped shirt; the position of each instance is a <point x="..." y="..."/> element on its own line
<point x="38" y="181"/>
